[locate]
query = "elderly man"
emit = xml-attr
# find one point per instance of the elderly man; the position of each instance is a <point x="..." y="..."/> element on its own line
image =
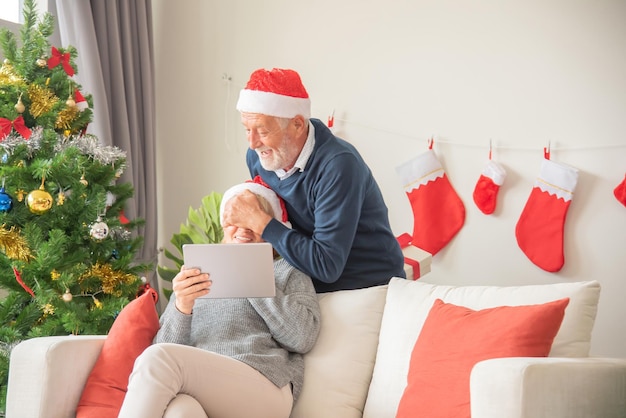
<point x="341" y="235"/>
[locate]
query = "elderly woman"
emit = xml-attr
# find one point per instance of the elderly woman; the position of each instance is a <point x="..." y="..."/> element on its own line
<point x="235" y="357"/>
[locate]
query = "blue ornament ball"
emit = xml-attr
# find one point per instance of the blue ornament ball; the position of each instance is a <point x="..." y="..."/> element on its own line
<point x="5" y="158"/>
<point x="5" y="201"/>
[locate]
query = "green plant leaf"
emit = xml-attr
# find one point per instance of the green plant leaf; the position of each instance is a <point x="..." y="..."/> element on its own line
<point x="201" y="227"/>
<point x="166" y="273"/>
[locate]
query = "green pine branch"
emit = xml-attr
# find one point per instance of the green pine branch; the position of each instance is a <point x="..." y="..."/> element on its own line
<point x="62" y="183"/>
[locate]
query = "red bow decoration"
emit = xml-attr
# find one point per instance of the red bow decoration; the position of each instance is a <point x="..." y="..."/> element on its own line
<point x="6" y="126"/>
<point x="18" y="277"/>
<point x="60" y="58"/>
<point x="123" y="219"/>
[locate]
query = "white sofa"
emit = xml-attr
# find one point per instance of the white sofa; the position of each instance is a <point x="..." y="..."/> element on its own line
<point x="359" y="365"/>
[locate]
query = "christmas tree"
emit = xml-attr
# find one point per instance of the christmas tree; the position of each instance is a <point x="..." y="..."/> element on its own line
<point x="67" y="252"/>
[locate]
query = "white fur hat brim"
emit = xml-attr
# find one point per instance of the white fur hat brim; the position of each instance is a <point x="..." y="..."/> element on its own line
<point x="272" y="104"/>
<point x="260" y="190"/>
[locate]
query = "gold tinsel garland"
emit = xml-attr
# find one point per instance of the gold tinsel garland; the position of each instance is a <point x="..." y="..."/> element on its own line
<point x="8" y="76"/>
<point x="110" y="278"/>
<point x="66" y="117"/>
<point x="41" y="100"/>
<point x="14" y="245"/>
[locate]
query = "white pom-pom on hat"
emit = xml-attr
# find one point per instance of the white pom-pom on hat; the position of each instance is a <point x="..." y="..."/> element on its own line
<point x="277" y="92"/>
<point x="258" y="187"/>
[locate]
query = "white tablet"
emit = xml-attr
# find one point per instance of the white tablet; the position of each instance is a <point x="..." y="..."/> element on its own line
<point x="237" y="270"/>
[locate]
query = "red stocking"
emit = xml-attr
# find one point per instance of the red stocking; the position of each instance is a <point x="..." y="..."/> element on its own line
<point x="620" y="192"/>
<point x="540" y="228"/>
<point x="487" y="187"/>
<point x="437" y="209"/>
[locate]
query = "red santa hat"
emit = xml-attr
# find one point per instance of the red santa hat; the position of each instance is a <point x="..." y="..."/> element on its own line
<point x="277" y="92"/>
<point x="260" y="188"/>
<point x="80" y="100"/>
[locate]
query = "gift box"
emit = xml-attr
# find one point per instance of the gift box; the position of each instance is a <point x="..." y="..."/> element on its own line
<point x="416" y="261"/>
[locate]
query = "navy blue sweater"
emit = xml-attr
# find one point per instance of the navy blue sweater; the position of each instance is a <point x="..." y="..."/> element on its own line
<point x="341" y="235"/>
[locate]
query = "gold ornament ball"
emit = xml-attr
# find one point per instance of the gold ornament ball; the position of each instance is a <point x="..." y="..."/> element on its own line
<point x="39" y="201"/>
<point x="41" y="62"/>
<point x="70" y="102"/>
<point x="67" y="296"/>
<point x="19" y="106"/>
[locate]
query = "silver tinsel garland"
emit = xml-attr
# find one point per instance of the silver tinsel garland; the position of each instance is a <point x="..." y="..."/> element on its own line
<point x="87" y="144"/>
<point x="13" y="140"/>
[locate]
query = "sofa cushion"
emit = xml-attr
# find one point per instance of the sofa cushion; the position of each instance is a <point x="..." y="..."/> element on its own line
<point x="339" y="368"/>
<point x="454" y="338"/>
<point x="408" y="303"/>
<point x="132" y="331"/>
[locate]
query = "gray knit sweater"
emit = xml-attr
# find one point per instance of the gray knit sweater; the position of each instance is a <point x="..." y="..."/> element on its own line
<point x="269" y="334"/>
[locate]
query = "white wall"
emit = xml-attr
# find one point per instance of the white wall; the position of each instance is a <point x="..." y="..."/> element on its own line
<point x="521" y="73"/>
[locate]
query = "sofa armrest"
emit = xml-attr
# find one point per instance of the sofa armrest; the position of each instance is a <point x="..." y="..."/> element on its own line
<point x="47" y="375"/>
<point x="548" y="387"/>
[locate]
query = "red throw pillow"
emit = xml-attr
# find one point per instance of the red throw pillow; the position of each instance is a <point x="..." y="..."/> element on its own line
<point x="455" y="338"/>
<point x="133" y="330"/>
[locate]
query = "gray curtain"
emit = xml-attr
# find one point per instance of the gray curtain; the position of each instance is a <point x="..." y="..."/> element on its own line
<point x="116" y="65"/>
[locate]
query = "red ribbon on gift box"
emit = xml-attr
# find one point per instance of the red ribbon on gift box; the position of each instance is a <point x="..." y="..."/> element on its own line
<point x="405" y="240"/>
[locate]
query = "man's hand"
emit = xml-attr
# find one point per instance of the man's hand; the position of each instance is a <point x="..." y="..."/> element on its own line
<point x="189" y="285"/>
<point x="244" y="211"/>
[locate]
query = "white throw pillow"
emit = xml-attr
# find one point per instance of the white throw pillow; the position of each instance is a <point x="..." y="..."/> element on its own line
<point x="407" y="306"/>
<point x="339" y="368"/>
